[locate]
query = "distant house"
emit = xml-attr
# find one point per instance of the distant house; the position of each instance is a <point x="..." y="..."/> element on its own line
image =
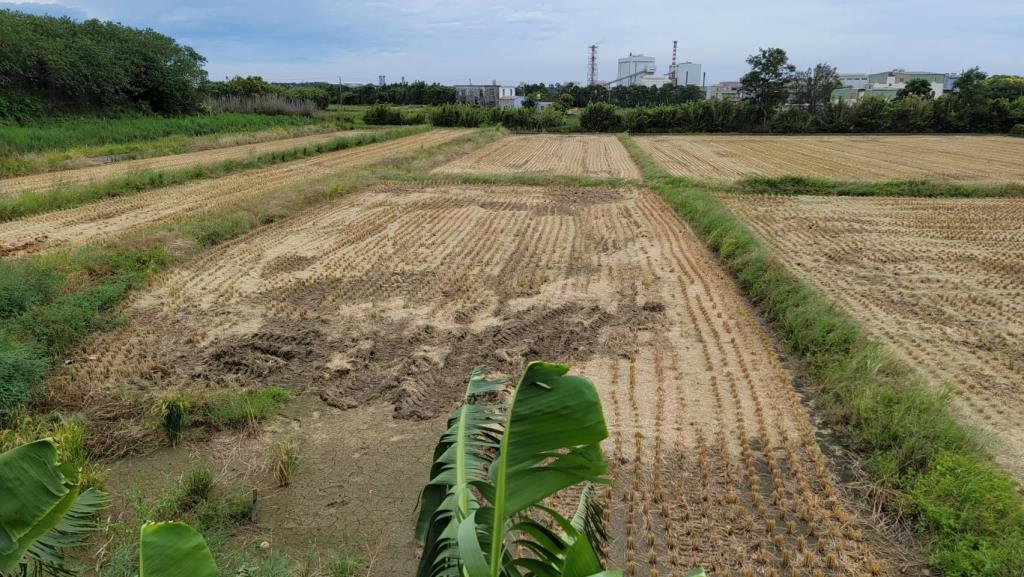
<point x="490" y="95"/>
<point x="517" y="102"/>
<point x="887" y="84"/>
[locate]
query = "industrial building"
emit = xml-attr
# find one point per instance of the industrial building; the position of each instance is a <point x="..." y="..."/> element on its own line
<point x="632" y="67"/>
<point x="729" y="90"/>
<point x="490" y="95"/>
<point x="686" y="74"/>
<point x="887" y="84"/>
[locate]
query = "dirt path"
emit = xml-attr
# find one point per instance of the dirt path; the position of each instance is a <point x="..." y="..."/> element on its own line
<point x="115" y="216"/>
<point x="590" y="155"/>
<point x="885" y="157"/>
<point x="389" y="297"/>
<point x="941" y="281"/>
<point x="81" y="176"/>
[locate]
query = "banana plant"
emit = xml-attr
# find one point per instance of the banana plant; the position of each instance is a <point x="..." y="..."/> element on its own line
<point x="482" y="514"/>
<point x="43" y="511"/>
<point x="173" y="549"/>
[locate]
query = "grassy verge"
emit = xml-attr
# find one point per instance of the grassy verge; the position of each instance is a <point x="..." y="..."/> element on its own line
<point x="36" y="202"/>
<point x="931" y="469"/>
<point x="64" y="133"/>
<point x="66" y="158"/>
<point x="801" y="185"/>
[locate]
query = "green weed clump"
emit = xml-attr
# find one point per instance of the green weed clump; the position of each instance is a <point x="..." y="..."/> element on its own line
<point x="235" y="408"/>
<point x="49" y="304"/>
<point x="936" y="472"/>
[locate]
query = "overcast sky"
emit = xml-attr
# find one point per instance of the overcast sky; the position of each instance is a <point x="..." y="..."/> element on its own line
<point x="453" y="41"/>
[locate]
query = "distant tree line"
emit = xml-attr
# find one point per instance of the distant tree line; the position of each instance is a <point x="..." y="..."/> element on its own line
<point x="56" y="65"/>
<point x="779" y="98"/>
<point x="415" y="93"/>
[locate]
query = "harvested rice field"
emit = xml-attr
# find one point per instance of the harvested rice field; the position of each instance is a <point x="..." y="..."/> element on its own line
<point x="92" y="174"/>
<point x="375" y="306"/>
<point x="580" y="155"/>
<point x="846" y="157"/>
<point x="103" y="219"/>
<point x="940" y="281"/>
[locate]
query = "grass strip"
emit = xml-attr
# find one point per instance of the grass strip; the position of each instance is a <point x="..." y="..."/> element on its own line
<point x="49" y="303"/>
<point x="64" y="133"/>
<point x="32" y="202"/>
<point x="931" y="468"/>
<point x="803" y="185"/>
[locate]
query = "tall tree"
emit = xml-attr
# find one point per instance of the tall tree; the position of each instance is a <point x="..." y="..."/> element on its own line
<point x="813" y="87"/>
<point x="766" y="85"/>
<point x="917" y="87"/>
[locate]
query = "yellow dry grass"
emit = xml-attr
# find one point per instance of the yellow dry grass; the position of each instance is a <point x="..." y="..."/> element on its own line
<point x="580" y="155"/>
<point x="875" y="157"/>
<point x="941" y="281"/>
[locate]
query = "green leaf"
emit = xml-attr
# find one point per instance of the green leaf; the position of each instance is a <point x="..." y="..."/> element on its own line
<point x="173" y="549"/>
<point x="36" y="496"/>
<point x="46" y="555"/>
<point x="551" y="442"/>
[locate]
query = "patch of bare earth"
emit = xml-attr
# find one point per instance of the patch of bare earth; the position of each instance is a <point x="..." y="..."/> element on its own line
<point x="940" y="281"/>
<point x="377" y="305"/>
<point x="876" y="157"/>
<point x="583" y="155"/>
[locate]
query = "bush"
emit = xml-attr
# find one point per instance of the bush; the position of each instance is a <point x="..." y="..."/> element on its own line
<point x="600" y="117"/>
<point x="1017" y="130"/>
<point x="464" y="115"/>
<point x="551" y="118"/>
<point x="382" y="114"/>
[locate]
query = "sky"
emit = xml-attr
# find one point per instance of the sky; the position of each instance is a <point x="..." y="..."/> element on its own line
<point x="458" y="41"/>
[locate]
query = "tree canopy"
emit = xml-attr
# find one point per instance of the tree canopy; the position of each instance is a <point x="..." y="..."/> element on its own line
<point x="53" y="65"/>
<point x="767" y="83"/>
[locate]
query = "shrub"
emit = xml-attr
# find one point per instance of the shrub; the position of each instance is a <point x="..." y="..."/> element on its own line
<point x="551" y="118"/>
<point x="1017" y="130"/>
<point x="600" y="117"/>
<point x="383" y="114"/>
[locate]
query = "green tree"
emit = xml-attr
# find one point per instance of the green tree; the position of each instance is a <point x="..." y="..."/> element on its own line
<point x="600" y="117"/>
<point x="766" y="85"/>
<point x="916" y="87"/>
<point x="813" y="87"/>
<point x="1005" y="86"/>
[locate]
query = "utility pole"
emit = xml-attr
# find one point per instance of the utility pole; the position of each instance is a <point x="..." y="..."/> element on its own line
<point x="592" y="66"/>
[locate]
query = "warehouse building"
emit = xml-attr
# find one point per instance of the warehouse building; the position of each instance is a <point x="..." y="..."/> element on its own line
<point x="632" y="68"/>
<point x="490" y="95"/>
<point x="887" y="84"/>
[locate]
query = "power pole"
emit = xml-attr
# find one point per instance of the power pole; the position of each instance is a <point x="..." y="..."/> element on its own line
<point x="592" y="66"/>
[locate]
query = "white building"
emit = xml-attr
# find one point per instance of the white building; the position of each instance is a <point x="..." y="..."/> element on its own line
<point x="632" y="67"/>
<point x="856" y="80"/>
<point x="687" y="73"/>
<point x="651" y="80"/>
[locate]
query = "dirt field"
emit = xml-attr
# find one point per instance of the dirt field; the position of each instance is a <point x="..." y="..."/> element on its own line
<point x="885" y="157"/>
<point x="941" y="281"/>
<point x="376" y="306"/>
<point x="589" y="155"/>
<point x="114" y="216"/>
<point x="81" y="176"/>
